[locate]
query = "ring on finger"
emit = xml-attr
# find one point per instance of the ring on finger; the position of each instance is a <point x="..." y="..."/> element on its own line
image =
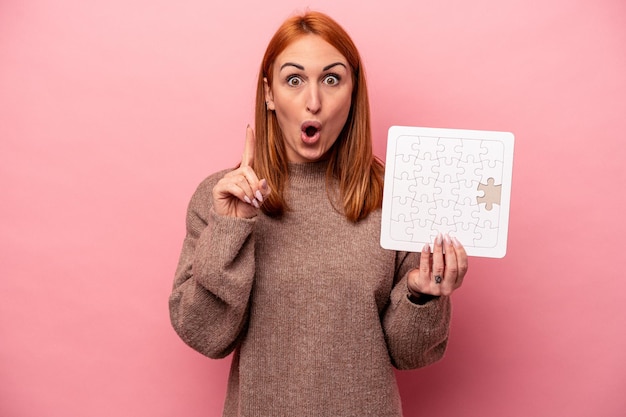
<point x="438" y="279"/>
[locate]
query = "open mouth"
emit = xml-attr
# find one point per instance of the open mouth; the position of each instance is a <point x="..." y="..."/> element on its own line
<point x="311" y="130"/>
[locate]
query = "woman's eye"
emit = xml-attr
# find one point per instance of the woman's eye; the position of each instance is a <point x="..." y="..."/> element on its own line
<point x="294" y="81"/>
<point x="331" y="79"/>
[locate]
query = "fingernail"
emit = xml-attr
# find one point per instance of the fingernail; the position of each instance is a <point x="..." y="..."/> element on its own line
<point x="246" y="199"/>
<point x="426" y="248"/>
<point x="255" y="203"/>
<point x="263" y="184"/>
<point x="259" y="196"/>
<point x="446" y="239"/>
<point x="438" y="239"/>
<point x="456" y="242"/>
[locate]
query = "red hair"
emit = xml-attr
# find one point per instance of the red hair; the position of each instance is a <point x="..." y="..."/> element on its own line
<point x="352" y="165"/>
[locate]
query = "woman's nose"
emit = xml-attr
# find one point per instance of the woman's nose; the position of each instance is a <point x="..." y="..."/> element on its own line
<point x="314" y="102"/>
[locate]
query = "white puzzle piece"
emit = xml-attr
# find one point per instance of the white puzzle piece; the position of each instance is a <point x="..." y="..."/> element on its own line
<point x="450" y="181"/>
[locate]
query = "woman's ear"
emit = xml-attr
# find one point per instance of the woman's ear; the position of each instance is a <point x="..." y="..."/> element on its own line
<point x="269" y="97"/>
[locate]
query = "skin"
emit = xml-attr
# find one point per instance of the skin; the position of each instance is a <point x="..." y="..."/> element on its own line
<point x="240" y="193"/>
<point x="451" y="267"/>
<point x="312" y="84"/>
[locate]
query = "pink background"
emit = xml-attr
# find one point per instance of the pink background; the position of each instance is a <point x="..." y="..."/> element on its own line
<point x="111" y="112"/>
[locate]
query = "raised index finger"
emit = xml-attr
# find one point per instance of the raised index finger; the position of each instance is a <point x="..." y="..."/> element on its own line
<point x="248" y="150"/>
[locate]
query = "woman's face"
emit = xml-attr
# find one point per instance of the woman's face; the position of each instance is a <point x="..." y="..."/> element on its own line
<point x="311" y="94"/>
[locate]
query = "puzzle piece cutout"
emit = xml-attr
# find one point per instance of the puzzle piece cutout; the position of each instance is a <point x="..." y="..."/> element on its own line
<point x="447" y="184"/>
<point x="492" y="194"/>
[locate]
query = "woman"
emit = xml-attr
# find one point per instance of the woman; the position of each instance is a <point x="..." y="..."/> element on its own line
<point x="282" y="264"/>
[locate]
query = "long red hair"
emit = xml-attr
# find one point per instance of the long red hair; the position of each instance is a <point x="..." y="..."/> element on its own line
<point x="352" y="165"/>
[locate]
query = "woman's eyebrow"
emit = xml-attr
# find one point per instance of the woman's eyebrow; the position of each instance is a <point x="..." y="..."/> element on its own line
<point x="292" y="64"/>
<point x="327" y="67"/>
<point x="301" y="68"/>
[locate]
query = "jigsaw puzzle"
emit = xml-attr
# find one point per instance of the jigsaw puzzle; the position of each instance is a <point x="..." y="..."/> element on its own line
<point x="450" y="181"/>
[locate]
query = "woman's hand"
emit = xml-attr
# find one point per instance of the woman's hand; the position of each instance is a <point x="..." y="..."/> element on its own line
<point x="240" y="193"/>
<point x="439" y="274"/>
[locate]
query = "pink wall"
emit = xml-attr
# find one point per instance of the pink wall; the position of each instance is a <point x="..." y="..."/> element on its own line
<point x="112" y="112"/>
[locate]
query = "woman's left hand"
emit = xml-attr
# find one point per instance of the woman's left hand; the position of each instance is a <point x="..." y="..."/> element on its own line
<point x="439" y="273"/>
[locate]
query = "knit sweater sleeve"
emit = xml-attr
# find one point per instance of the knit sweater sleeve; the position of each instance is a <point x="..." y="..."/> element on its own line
<point x="417" y="335"/>
<point x="213" y="280"/>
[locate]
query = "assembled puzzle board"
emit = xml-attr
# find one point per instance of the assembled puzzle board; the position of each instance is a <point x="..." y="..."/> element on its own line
<point x="450" y="181"/>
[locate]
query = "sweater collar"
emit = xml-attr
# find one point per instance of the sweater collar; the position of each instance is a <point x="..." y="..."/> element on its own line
<point x="307" y="173"/>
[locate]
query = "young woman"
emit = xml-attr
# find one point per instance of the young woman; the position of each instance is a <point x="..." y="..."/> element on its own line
<point x="282" y="264"/>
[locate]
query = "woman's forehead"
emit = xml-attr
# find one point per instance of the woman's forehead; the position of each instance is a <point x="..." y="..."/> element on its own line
<point x="308" y="51"/>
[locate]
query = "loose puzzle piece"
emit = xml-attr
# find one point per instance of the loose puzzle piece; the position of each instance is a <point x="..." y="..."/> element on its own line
<point x="448" y="181"/>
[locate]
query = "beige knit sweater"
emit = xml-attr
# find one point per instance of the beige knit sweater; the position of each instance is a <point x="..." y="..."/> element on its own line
<point x="316" y="312"/>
